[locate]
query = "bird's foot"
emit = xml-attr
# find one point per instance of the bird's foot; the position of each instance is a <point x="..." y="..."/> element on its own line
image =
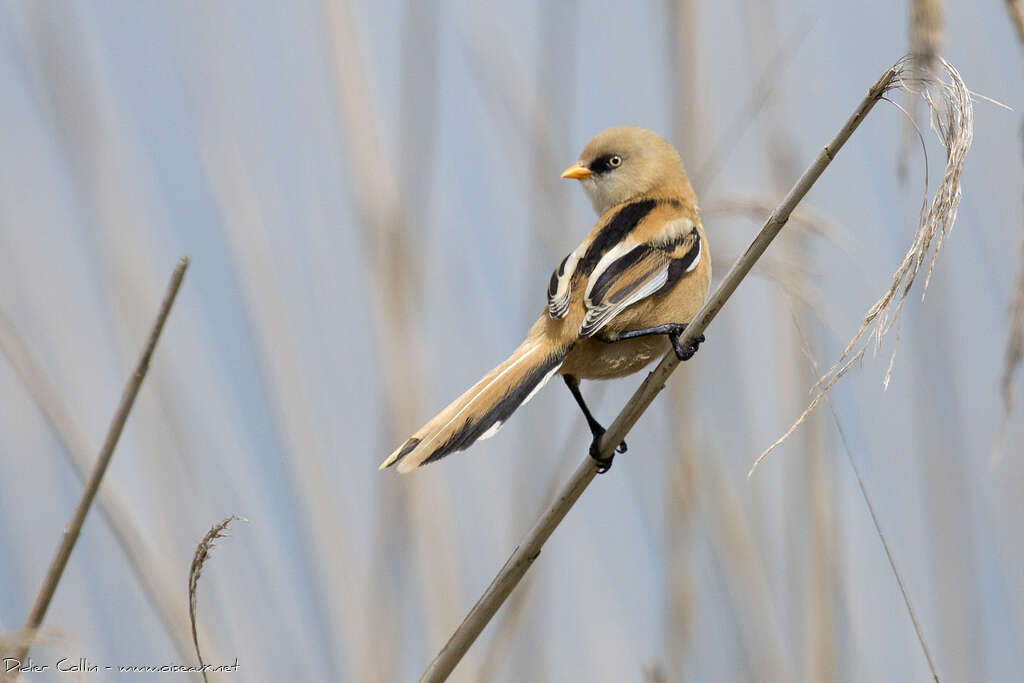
<point x="684" y="353"/>
<point x="672" y="330"/>
<point x="604" y="464"/>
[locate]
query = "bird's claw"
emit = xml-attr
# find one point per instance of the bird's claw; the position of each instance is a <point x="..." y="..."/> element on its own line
<point x="684" y="353"/>
<point x="604" y="464"/>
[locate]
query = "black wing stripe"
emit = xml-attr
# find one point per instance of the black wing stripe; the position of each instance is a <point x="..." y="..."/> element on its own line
<point x="614" y="270"/>
<point x="621" y="224"/>
<point x="555" y="277"/>
<point x="628" y="290"/>
<point x="677" y="269"/>
<point x="553" y="285"/>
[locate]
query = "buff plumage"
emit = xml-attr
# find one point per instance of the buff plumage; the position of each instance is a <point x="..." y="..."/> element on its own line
<point x="614" y="304"/>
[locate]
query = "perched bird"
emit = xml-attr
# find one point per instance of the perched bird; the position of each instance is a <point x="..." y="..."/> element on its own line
<point x="618" y="301"/>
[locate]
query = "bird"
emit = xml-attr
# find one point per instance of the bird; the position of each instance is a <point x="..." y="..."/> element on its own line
<point x="619" y="300"/>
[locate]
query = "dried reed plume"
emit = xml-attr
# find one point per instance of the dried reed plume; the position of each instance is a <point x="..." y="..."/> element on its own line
<point x="952" y="120"/>
<point x="202" y="554"/>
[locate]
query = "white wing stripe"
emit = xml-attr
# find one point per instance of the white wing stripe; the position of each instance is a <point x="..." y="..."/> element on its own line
<point x="492" y="430"/>
<point x="558" y="302"/>
<point x="540" y="385"/>
<point x="696" y="259"/>
<point x="598" y="317"/>
<point x="610" y="256"/>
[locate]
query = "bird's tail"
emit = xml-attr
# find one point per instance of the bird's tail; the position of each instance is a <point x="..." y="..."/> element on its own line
<point x="480" y="412"/>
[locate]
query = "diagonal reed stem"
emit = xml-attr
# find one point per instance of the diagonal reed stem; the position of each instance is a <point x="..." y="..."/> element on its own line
<point x="527" y="551"/>
<point x="145" y="561"/>
<point x="92" y="485"/>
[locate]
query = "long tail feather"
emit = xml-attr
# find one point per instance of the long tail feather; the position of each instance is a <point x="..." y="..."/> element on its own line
<point x="483" y="409"/>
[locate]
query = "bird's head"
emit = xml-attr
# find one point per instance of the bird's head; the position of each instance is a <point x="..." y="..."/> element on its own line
<point x="625" y="162"/>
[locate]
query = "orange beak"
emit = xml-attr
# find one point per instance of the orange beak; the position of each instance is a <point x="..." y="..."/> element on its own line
<point x="576" y="171"/>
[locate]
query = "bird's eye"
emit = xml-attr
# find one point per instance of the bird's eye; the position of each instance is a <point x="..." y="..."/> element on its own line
<point x="614" y="161"/>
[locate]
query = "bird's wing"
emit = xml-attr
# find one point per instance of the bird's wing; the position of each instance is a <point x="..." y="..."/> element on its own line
<point x="560" y="285"/>
<point x="631" y="271"/>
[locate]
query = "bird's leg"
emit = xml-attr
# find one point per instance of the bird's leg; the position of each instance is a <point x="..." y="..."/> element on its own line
<point x="673" y="330"/>
<point x="596" y="429"/>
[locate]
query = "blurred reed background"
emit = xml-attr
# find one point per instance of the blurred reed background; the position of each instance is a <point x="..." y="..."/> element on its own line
<point x="369" y="194"/>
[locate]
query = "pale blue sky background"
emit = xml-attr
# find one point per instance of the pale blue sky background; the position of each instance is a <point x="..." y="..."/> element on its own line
<point x="134" y="133"/>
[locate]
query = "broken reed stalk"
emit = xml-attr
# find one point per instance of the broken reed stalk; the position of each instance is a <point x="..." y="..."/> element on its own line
<point x="92" y="485"/>
<point x="527" y="551"/>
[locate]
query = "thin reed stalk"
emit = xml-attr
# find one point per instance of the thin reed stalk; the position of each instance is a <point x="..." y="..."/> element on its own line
<point x="927" y="34"/>
<point x="501" y="641"/>
<point x="528" y="551"/>
<point x="754" y="605"/>
<point x="386" y="196"/>
<point x="74" y="527"/>
<point x="146" y="562"/>
<point x="848" y="452"/>
<point x="1016" y="11"/>
<point x="804" y="497"/>
<point x="705" y="174"/>
<point x="684" y="51"/>
<point x="1015" y="339"/>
